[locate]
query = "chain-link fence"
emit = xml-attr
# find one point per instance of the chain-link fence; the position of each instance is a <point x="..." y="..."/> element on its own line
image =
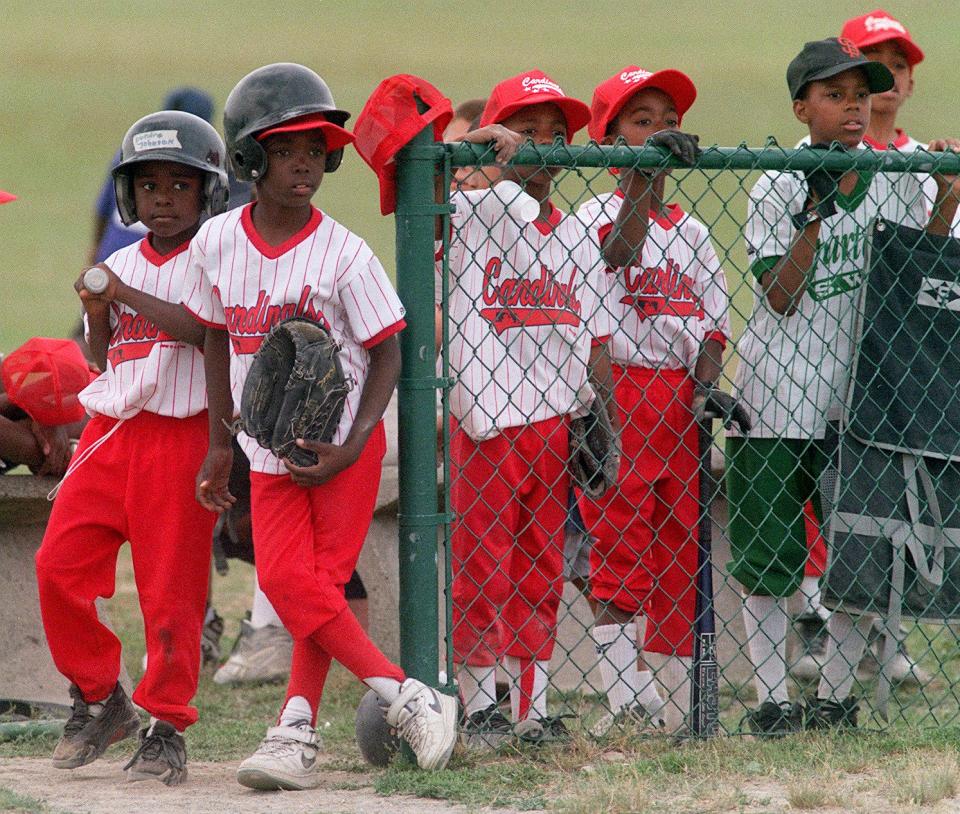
<point x="823" y="540"/>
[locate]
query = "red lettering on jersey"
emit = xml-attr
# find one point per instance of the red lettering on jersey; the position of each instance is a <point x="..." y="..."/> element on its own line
<point x="655" y="291"/>
<point x="248" y="325"/>
<point x="520" y="301"/>
<point x="134" y="338"/>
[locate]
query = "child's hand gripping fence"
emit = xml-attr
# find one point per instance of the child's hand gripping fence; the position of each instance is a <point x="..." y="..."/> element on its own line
<point x="570" y="615"/>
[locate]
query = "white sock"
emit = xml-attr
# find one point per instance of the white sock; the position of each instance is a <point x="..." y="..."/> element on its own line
<point x="262" y="612"/>
<point x="810" y="593"/>
<point x="673" y="676"/>
<point x="617" y="652"/>
<point x="296" y="711"/>
<point x="845" y="647"/>
<point x="528" y="685"/>
<point x="765" y="618"/>
<point x="387" y="688"/>
<point x="478" y="686"/>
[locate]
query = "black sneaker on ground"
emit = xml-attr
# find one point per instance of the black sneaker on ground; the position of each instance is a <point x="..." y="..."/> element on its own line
<point x="485" y="728"/>
<point x="773" y="720"/>
<point x="91" y="728"/>
<point x="825" y="713"/>
<point x="550" y="729"/>
<point x="161" y="755"/>
<point x="210" y="642"/>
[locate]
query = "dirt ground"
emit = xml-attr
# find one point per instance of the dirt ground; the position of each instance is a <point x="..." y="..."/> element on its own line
<point x="100" y="788"/>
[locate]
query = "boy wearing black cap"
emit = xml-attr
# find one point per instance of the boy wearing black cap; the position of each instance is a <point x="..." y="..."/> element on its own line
<point x="806" y="239"/>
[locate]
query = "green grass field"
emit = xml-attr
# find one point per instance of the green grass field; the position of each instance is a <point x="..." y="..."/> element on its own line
<point x="74" y="76"/>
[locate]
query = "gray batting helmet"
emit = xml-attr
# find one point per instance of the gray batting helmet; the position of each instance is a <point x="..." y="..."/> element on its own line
<point x="377" y="740"/>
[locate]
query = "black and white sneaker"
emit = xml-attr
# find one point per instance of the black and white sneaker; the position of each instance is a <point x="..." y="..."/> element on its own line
<point x="541" y="731"/>
<point x="773" y="720"/>
<point x="161" y="755"/>
<point x="485" y="729"/>
<point x="825" y="713"/>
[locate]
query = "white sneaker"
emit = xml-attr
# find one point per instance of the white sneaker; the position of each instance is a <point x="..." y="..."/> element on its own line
<point x="637" y="716"/>
<point x="427" y="721"/>
<point x="260" y="655"/>
<point x="285" y="760"/>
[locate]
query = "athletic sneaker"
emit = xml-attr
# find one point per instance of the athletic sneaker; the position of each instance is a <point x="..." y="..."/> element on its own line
<point x="773" y="720"/>
<point x="903" y="669"/>
<point x="210" y="641"/>
<point x="541" y="731"/>
<point x="260" y="655"/>
<point x="161" y="755"/>
<point x="635" y="716"/>
<point x="485" y="729"/>
<point x="285" y="760"/>
<point x="427" y="721"/>
<point x="825" y="713"/>
<point x="91" y="728"/>
<point x="811" y="654"/>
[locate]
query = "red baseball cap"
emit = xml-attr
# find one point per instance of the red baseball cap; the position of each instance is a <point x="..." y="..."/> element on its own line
<point x="6" y="197"/>
<point x="611" y="95"/>
<point x="335" y="135"/>
<point x="43" y="378"/>
<point x="533" y="88"/>
<point x="390" y="119"/>
<point x="879" y="26"/>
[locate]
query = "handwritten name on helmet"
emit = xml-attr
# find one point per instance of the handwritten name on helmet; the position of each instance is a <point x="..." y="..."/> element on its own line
<point x="540" y="84"/>
<point x="156" y="140"/>
<point x="873" y="24"/>
<point x="633" y="77"/>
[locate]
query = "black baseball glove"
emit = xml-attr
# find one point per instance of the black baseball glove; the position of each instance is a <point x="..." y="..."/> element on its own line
<point x="822" y="186"/>
<point x="710" y="402"/>
<point x="594" y="451"/>
<point x="295" y="389"/>
<point x="685" y="146"/>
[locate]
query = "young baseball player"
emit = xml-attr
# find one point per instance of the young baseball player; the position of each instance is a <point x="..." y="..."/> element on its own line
<point x="283" y="257"/>
<point x="523" y="303"/>
<point x="807" y="258"/>
<point x="132" y="477"/>
<point x="668" y="303"/>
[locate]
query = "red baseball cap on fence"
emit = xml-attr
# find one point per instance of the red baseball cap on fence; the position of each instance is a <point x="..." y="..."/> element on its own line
<point x="335" y="135"/>
<point x="43" y="378"/>
<point x="879" y="26"/>
<point x="611" y="95"/>
<point x="390" y="119"/>
<point x="6" y="197"/>
<point x="533" y="88"/>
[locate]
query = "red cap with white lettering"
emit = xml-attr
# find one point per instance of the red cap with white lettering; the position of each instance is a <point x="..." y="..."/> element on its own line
<point x="43" y="378"/>
<point x="879" y="26"/>
<point x="533" y="88"/>
<point x="611" y="95"/>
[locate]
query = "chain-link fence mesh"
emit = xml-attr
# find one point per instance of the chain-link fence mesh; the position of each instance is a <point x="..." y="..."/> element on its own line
<point x="831" y="524"/>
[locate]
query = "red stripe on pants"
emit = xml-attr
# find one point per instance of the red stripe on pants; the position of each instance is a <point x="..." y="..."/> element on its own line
<point x="138" y="486"/>
<point x="644" y="555"/>
<point x="307" y="541"/>
<point x="817" y="560"/>
<point x="509" y="496"/>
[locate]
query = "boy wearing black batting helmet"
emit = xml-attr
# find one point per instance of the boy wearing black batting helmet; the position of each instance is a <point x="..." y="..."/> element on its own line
<point x="123" y="482"/>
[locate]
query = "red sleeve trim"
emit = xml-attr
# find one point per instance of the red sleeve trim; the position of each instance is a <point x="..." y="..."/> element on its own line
<point x="373" y="341"/>
<point x="597" y="341"/>
<point x="222" y="326"/>
<point x="718" y="337"/>
<point x="604" y="231"/>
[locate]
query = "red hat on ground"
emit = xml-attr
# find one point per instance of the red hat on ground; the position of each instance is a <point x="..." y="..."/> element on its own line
<point x="879" y="26"/>
<point x="335" y="135"/>
<point x="390" y="119"/>
<point x="6" y="197"/>
<point x="44" y="376"/>
<point x="533" y="88"/>
<point x="611" y="95"/>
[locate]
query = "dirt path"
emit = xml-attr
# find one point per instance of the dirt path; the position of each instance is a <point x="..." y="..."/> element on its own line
<point x="100" y="788"/>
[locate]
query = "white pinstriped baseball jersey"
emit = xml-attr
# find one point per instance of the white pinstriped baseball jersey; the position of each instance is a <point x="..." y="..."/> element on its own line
<point x="665" y="306"/>
<point x="525" y="300"/>
<point x="324" y="273"/>
<point x="794" y="370"/>
<point x="147" y="369"/>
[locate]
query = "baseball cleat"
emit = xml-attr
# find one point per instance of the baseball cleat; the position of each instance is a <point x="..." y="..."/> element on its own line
<point x="260" y="655"/>
<point x="773" y="720"/>
<point x="427" y="721"/>
<point x="286" y="760"/>
<point x="485" y="729"/>
<point x="541" y="731"/>
<point x="161" y="755"/>
<point x="91" y="728"/>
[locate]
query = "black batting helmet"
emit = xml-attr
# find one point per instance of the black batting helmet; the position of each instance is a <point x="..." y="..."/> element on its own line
<point x="172" y="135"/>
<point x="378" y="741"/>
<point x="266" y="98"/>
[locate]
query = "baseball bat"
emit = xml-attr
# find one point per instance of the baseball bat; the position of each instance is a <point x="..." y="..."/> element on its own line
<point x="705" y="681"/>
<point x="95" y="280"/>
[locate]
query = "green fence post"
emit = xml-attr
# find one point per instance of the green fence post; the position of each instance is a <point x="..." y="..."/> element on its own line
<point x="418" y="511"/>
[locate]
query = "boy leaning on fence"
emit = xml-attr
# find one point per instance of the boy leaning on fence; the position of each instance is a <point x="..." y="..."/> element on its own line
<point x="805" y="237"/>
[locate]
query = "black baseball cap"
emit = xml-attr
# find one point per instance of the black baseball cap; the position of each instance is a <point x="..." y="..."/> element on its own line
<point x="822" y="59"/>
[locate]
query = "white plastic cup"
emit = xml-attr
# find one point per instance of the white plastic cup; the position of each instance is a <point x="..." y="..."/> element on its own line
<point x="520" y="205"/>
<point x="95" y="280"/>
